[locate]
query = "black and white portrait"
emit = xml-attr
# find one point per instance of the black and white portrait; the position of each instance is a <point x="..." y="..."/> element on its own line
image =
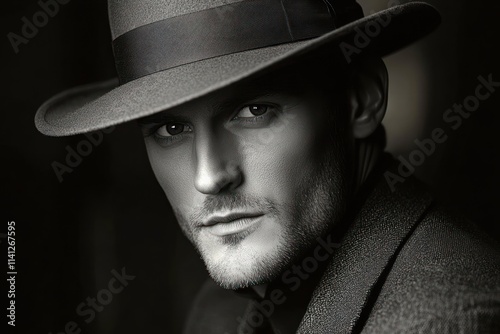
<point x="251" y="166"/>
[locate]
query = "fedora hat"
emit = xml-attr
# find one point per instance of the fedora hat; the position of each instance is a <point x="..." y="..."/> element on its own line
<point x="170" y="52"/>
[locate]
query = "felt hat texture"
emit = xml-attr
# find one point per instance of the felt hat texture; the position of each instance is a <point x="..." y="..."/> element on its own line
<point x="171" y="52"/>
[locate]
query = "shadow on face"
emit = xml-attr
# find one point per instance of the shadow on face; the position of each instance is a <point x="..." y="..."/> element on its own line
<point x="255" y="172"/>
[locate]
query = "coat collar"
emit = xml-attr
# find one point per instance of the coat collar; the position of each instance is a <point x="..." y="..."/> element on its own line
<point x="342" y="300"/>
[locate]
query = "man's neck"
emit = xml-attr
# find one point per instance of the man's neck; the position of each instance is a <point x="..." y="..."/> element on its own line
<point x="286" y="298"/>
<point x="368" y="154"/>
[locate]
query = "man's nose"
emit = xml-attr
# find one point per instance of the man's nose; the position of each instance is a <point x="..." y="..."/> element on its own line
<point x="216" y="166"/>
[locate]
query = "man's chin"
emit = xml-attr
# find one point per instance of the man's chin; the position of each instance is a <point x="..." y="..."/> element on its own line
<point x="235" y="283"/>
<point x="231" y="278"/>
<point x="243" y="268"/>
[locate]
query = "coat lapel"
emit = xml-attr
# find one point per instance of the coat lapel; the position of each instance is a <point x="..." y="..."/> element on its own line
<point x="344" y="297"/>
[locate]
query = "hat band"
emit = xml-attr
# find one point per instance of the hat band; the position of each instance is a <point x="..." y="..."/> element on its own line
<point x="218" y="31"/>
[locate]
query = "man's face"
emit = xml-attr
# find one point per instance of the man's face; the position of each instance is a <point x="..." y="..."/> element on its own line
<point x="254" y="174"/>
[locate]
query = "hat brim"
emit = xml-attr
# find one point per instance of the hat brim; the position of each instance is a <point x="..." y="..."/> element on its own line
<point x="97" y="106"/>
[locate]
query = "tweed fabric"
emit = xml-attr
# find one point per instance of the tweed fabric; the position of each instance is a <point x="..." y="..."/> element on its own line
<point x="408" y="266"/>
<point x="453" y="270"/>
<point x="385" y="221"/>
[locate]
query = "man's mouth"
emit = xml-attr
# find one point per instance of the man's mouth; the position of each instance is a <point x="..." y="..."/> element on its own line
<point x="232" y="224"/>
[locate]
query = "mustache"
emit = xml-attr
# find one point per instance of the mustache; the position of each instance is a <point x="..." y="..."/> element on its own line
<point x="231" y="202"/>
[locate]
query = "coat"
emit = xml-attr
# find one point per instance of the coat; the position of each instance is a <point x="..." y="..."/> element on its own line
<point x="405" y="265"/>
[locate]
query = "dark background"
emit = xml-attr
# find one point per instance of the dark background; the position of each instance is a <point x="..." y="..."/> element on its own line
<point x="109" y="213"/>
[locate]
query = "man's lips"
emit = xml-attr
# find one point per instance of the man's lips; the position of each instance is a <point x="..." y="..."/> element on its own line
<point x="231" y="223"/>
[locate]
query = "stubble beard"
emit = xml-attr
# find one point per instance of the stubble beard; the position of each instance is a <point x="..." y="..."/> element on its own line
<point x="319" y="205"/>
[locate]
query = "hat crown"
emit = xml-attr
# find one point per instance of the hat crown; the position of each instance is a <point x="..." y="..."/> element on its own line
<point x="126" y="15"/>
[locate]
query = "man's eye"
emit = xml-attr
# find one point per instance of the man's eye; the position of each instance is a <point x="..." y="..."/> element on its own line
<point x="172" y="129"/>
<point x="253" y="110"/>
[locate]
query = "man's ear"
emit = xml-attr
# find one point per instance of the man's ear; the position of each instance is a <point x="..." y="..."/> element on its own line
<point x="368" y="96"/>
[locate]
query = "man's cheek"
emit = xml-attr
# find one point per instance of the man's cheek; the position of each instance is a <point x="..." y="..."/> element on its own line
<point x="175" y="179"/>
<point x="181" y="203"/>
<point x="277" y="179"/>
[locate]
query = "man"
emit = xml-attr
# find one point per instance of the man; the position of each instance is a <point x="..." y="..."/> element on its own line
<point x="261" y="120"/>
